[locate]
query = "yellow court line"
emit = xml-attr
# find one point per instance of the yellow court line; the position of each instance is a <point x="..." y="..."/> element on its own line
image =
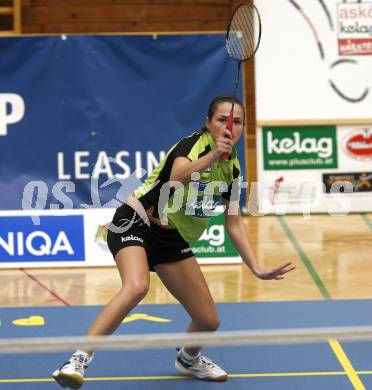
<point x="25" y="380"/>
<point x="346" y="364"/>
<point x="139" y="378"/>
<point x="172" y="377"/>
<point x="288" y="374"/>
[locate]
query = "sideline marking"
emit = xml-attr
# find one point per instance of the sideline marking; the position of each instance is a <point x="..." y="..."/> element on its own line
<point x="172" y="377"/>
<point x="301" y="253"/>
<point x="346" y="364"/>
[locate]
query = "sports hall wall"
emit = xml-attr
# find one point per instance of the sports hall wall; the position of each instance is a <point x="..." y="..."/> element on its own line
<point x="138" y="16"/>
<point x="314" y="106"/>
<point x="130" y="16"/>
<point x="313" y="97"/>
<point x="71" y="106"/>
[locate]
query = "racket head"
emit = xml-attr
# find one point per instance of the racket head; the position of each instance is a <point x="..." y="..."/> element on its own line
<point x="243" y="34"/>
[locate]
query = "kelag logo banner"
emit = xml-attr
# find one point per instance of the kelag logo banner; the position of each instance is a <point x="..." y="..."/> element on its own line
<point x="215" y="241"/>
<point x="56" y="238"/>
<point x="85" y="119"/>
<point x="301" y="147"/>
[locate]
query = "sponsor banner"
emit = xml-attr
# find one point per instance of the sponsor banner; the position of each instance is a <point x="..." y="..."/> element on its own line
<point x="306" y="194"/>
<point x="285" y="191"/>
<point x="54" y="238"/>
<point x="357" y="144"/>
<point x="96" y="138"/>
<point x="300" y="147"/>
<point x="289" y="194"/>
<point x="326" y="67"/>
<point x="355" y="28"/>
<point x="344" y="182"/>
<point x="353" y="46"/>
<point x="96" y="223"/>
<point x="215" y="241"/>
<point x="78" y="238"/>
<point x="305" y="190"/>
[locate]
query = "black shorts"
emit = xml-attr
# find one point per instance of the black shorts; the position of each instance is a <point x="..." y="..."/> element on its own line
<point x="161" y="245"/>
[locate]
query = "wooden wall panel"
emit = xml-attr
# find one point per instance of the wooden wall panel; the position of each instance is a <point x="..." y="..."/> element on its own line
<point x="250" y="126"/>
<point x="122" y="2"/>
<point x="106" y="3"/>
<point x="6" y="22"/>
<point x="95" y="16"/>
<point x="130" y="13"/>
<point x="6" y="3"/>
<point x="129" y="27"/>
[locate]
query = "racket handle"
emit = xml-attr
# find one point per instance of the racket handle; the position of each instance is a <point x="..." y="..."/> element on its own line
<point x="229" y="126"/>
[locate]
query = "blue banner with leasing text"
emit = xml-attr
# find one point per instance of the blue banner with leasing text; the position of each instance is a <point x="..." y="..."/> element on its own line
<point x="84" y="119"/>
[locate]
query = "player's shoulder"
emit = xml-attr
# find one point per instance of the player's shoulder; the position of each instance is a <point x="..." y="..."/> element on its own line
<point x="190" y="139"/>
<point x="185" y="145"/>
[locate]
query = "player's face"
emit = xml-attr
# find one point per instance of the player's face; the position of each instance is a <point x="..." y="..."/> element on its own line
<point x="217" y="124"/>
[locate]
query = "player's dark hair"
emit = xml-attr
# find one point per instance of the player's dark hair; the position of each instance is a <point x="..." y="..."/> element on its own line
<point x="222" y="99"/>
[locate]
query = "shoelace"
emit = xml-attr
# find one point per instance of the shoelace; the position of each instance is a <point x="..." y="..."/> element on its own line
<point x="77" y="364"/>
<point x="206" y="362"/>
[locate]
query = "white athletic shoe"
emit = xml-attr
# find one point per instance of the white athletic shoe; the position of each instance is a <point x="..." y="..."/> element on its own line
<point x="71" y="374"/>
<point x="201" y="367"/>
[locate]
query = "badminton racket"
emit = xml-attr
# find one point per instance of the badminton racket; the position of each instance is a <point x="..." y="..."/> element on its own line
<point x="243" y="38"/>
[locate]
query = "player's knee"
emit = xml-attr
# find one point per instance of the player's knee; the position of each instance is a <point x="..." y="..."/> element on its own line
<point x="137" y="290"/>
<point x="214" y="323"/>
<point x="209" y="323"/>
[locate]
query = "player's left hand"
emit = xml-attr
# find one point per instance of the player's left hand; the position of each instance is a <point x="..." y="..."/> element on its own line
<point x="274" y="273"/>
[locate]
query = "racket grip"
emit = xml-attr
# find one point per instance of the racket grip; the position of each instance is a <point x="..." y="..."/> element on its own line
<point x="229" y="126"/>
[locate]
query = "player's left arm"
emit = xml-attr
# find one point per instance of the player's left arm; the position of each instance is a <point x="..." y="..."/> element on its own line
<point x="239" y="236"/>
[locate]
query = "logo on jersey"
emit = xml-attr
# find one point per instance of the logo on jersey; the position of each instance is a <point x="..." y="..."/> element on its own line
<point x="131" y="238"/>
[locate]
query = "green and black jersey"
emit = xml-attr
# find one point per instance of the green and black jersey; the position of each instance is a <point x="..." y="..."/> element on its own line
<point x="188" y="208"/>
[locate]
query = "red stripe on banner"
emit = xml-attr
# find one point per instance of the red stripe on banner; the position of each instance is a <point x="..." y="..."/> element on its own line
<point x="360" y="46"/>
<point x="41" y="284"/>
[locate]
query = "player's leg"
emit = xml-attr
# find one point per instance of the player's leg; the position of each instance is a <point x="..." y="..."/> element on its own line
<point x="133" y="268"/>
<point x="186" y="283"/>
<point x="134" y="272"/>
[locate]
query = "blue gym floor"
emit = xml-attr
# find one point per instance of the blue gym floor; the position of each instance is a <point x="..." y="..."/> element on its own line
<point x="270" y="367"/>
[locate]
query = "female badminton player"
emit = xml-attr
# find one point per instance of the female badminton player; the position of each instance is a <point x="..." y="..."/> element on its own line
<point x="148" y="233"/>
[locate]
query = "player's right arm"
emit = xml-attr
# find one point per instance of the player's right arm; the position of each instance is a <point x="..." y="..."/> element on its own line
<point x="183" y="168"/>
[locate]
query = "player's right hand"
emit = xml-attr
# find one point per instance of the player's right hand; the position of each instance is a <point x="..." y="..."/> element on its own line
<point x="224" y="143"/>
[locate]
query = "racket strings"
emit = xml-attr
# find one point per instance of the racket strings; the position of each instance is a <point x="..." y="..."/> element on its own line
<point x="248" y="25"/>
<point x="243" y="25"/>
<point x="244" y="33"/>
<point x="240" y="47"/>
